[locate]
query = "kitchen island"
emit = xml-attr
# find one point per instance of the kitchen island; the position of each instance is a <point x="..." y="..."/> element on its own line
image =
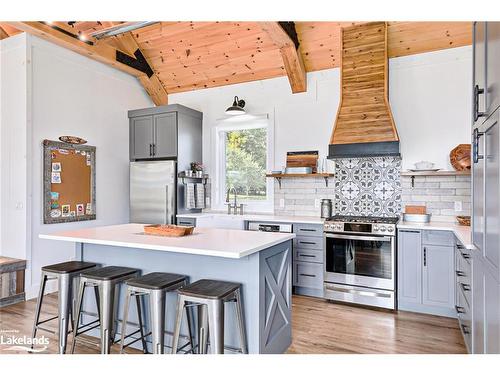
<point x="260" y="261"/>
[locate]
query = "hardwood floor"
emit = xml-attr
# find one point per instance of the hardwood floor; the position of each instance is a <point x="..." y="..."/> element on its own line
<point x="318" y="327"/>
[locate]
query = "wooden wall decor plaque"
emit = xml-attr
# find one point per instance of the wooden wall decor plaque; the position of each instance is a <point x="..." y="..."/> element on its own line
<point x="68" y="182"/>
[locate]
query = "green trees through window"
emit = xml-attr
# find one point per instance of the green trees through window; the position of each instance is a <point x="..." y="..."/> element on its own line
<point x="246" y="162"/>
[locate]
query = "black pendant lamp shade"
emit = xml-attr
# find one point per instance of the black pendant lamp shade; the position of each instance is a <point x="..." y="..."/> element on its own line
<point x="236" y="108"/>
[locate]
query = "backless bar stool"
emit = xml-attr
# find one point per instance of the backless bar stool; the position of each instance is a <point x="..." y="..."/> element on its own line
<point x="155" y="285"/>
<point x="210" y="296"/>
<point x="107" y="280"/>
<point x="64" y="273"/>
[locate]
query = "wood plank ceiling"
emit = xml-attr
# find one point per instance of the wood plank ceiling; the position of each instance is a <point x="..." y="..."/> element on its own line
<point x="188" y="56"/>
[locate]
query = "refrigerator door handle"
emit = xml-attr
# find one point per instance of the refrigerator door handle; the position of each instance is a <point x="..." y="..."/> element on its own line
<point x="167" y="206"/>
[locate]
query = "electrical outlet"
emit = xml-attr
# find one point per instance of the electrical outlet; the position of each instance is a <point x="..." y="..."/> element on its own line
<point x="316" y="203"/>
<point x="282" y="203"/>
<point x="458" y="206"/>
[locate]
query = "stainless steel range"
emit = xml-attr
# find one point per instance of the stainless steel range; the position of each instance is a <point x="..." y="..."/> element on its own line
<point x="360" y="260"/>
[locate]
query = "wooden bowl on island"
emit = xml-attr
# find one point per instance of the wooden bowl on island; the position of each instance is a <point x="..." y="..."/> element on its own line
<point x="168" y="230"/>
<point x="464" y="220"/>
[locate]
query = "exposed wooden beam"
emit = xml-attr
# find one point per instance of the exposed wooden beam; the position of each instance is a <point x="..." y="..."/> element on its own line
<point x="3" y="33"/>
<point x="102" y="52"/>
<point x="152" y="85"/>
<point x="290" y="52"/>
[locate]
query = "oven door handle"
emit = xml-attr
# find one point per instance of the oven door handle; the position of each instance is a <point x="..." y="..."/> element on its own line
<point x="360" y="238"/>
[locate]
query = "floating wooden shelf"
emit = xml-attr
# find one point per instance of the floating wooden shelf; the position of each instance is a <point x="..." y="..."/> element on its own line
<point x="433" y="173"/>
<point x="436" y="173"/>
<point x="279" y="176"/>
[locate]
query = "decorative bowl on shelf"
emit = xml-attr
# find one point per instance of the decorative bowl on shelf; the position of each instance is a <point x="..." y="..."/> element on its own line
<point x="460" y="157"/>
<point x="424" y="166"/>
<point x="464" y="220"/>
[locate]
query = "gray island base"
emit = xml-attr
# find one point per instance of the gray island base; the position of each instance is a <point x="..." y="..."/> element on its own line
<point x="260" y="262"/>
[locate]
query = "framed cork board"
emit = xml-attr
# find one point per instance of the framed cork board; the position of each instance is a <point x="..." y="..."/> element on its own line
<point x="68" y="182"/>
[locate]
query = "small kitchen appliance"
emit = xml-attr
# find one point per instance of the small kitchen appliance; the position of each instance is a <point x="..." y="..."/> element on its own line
<point x="326" y="208"/>
<point x="360" y="260"/>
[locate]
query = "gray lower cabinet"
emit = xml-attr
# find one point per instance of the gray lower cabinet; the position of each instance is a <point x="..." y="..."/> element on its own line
<point x="438" y="279"/>
<point x="409" y="267"/>
<point x="426" y="278"/>
<point x="189" y="221"/>
<point x="485" y="307"/>
<point x="308" y="260"/>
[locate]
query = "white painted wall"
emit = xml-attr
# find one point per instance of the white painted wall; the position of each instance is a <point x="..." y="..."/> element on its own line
<point x="429" y="95"/>
<point x="71" y="94"/>
<point x="13" y="147"/>
<point x="431" y="100"/>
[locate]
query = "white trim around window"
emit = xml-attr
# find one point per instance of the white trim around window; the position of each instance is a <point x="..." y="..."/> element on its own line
<point x="218" y="146"/>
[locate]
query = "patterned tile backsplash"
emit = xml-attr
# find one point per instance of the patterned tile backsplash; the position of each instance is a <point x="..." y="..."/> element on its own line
<point x="368" y="186"/>
<point x="361" y="186"/>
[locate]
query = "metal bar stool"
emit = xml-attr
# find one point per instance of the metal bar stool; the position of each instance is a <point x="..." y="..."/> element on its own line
<point x="64" y="273"/>
<point x="155" y="285"/>
<point x="210" y="296"/>
<point x="107" y="280"/>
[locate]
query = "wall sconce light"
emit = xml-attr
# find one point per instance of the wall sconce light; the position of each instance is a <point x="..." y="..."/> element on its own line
<point x="236" y="108"/>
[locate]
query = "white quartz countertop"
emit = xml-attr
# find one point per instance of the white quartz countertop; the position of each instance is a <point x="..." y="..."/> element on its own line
<point x="225" y="243"/>
<point x="259" y="217"/>
<point x="463" y="233"/>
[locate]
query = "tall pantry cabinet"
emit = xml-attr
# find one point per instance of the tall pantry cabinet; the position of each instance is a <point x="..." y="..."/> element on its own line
<point x="486" y="188"/>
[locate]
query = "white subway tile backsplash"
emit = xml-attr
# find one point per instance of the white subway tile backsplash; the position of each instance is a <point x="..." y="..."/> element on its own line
<point x="439" y="200"/>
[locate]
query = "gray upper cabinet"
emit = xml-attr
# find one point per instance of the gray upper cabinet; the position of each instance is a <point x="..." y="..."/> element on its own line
<point x="492" y="67"/>
<point x="491" y="250"/>
<point x="166" y="132"/>
<point x="141" y="136"/>
<point x="479" y="72"/>
<point x="486" y="70"/>
<point x="165" y="135"/>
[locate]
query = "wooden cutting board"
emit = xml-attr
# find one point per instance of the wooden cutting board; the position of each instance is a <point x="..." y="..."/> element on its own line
<point x="302" y="159"/>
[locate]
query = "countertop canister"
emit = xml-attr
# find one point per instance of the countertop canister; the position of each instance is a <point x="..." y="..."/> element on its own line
<point x="326" y="208"/>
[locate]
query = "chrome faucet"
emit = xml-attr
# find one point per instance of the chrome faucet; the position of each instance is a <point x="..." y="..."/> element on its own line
<point x="235" y="205"/>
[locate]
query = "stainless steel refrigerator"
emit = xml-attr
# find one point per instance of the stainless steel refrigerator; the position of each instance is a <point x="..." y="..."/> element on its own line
<point x="153" y="192"/>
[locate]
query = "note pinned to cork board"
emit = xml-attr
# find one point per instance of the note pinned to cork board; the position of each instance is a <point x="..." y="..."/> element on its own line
<point x="69" y="182"/>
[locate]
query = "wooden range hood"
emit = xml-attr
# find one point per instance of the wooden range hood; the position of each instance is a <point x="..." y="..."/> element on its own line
<point x="364" y="125"/>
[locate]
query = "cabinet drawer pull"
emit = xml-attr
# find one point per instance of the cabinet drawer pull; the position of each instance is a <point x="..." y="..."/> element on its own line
<point x="460" y="273"/>
<point x="154" y="149"/>
<point x="307" y="242"/>
<point x="465" y="287"/>
<point x="465" y="255"/>
<point x="465" y="329"/>
<point x="307" y="274"/>
<point x="307" y="230"/>
<point x="459" y="309"/>
<point x="307" y="256"/>
<point x="425" y="257"/>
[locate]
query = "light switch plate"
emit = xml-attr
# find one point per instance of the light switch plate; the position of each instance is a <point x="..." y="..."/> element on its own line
<point x="316" y="203"/>
<point x="282" y="203"/>
<point x="458" y="206"/>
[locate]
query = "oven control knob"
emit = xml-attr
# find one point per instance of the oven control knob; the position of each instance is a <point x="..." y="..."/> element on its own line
<point x="390" y="229"/>
<point x="383" y="229"/>
<point x="375" y="227"/>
